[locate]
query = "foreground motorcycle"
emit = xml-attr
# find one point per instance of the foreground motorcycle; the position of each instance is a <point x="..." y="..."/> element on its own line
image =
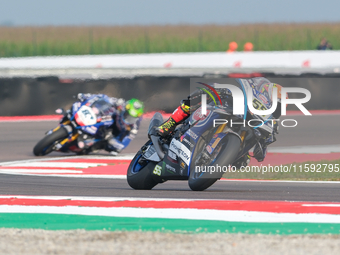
<point x="82" y="129"/>
<point x="197" y="145"/>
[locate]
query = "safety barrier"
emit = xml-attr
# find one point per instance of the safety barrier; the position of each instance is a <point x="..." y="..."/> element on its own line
<point x="254" y="60"/>
<point x="41" y="96"/>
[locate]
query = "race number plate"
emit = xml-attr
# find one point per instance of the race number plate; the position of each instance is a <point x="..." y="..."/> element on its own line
<point x="85" y="116"/>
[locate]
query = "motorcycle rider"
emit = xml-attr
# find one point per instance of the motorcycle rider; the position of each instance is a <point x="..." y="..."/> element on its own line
<point x="127" y="116"/>
<point x="193" y="102"/>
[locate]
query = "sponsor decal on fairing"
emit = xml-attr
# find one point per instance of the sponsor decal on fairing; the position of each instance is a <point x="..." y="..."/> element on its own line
<point x="181" y="151"/>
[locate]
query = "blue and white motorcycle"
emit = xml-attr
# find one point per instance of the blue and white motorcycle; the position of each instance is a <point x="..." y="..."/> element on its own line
<point x="84" y="128"/>
<point x="196" y="147"/>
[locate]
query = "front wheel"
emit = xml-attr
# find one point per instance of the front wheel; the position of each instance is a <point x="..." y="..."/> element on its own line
<point x="45" y="146"/>
<point x="139" y="174"/>
<point x="199" y="181"/>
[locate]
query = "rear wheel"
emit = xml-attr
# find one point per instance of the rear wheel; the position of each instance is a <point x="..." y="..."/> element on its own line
<point x="139" y="174"/>
<point x="226" y="155"/>
<point x="45" y="146"/>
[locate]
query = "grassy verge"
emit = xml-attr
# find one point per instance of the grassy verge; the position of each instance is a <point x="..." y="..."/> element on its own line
<point x="307" y="171"/>
<point x="44" y="41"/>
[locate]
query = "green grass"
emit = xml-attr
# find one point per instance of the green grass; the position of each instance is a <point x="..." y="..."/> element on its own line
<point x="300" y="172"/>
<point x="44" y="41"/>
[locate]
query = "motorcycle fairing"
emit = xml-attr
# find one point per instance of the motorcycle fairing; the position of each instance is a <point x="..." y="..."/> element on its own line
<point x="151" y="154"/>
<point x="216" y="139"/>
<point x="180" y="150"/>
<point x="88" y="120"/>
<point x="203" y="121"/>
<point x="176" y="159"/>
<point x="76" y="106"/>
<point x="85" y="116"/>
<point x="92" y="129"/>
<point x="174" y="170"/>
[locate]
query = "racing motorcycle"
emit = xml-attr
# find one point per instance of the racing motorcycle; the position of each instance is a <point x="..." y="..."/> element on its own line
<point x="197" y="145"/>
<point x="82" y="129"/>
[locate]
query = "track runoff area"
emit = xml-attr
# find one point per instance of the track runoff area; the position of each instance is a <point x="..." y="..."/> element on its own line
<point x="186" y="215"/>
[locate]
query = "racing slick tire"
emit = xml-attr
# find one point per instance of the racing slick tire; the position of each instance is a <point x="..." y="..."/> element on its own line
<point x="45" y="145"/>
<point x="139" y="175"/>
<point x="227" y="155"/>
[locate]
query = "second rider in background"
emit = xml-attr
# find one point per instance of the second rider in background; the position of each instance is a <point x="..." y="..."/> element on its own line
<point x="127" y="116"/>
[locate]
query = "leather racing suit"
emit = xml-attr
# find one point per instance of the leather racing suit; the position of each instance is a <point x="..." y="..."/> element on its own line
<point x="122" y="132"/>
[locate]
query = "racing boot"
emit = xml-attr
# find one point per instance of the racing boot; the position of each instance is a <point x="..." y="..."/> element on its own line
<point x="179" y="115"/>
<point x="260" y="149"/>
<point x="242" y="162"/>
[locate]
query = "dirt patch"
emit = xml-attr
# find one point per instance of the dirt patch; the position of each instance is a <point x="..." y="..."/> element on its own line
<point x="37" y="241"/>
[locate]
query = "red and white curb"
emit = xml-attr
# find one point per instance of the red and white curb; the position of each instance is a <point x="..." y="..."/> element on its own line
<point x="77" y="166"/>
<point x="115" y="167"/>
<point x="222" y="210"/>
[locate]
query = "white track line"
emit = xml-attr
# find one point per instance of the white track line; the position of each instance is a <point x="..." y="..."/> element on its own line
<point x="57" y="164"/>
<point x="120" y="157"/>
<point x="103" y="199"/>
<point x="192" y="214"/>
<point x="321" y="205"/>
<point x="44" y="162"/>
<point x="91" y="176"/>
<point x="41" y="171"/>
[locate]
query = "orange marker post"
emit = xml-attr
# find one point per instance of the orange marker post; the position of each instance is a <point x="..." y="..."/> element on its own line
<point x="248" y="46"/>
<point x="232" y="47"/>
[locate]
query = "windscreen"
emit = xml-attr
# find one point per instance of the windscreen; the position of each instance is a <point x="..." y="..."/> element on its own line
<point x="261" y="85"/>
<point x="102" y="107"/>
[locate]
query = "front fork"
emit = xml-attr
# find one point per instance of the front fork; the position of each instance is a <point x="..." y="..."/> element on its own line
<point x="242" y="136"/>
<point x="67" y="126"/>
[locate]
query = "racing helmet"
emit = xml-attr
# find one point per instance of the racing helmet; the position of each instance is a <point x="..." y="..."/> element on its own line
<point x="134" y="109"/>
<point x="268" y="88"/>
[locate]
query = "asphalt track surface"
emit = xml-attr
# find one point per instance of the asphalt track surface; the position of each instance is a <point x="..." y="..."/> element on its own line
<point x="18" y="139"/>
